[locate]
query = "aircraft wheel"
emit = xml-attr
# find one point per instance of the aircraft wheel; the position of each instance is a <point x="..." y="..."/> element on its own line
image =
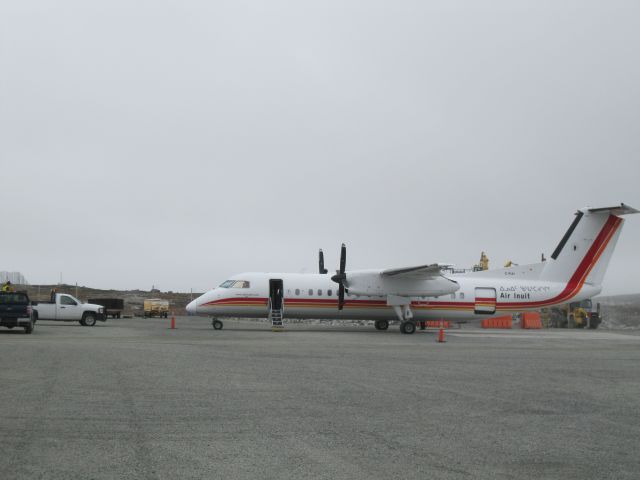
<point x="217" y="324"/>
<point x="381" y="324"/>
<point x="408" y="327"/>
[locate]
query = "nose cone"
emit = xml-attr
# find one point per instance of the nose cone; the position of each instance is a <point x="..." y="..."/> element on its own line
<point x="192" y="308"/>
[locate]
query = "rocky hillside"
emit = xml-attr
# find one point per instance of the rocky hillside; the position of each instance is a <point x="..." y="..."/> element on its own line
<point x="620" y="311"/>
<point x="133" y="299"/>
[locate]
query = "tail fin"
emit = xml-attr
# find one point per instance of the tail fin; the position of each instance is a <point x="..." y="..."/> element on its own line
<point x="584" y="252"/>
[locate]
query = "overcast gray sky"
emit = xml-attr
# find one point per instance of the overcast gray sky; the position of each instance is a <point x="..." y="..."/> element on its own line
<point x="174" y="143"/>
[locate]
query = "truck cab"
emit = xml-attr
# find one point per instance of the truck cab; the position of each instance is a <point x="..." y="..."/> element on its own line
<point x="67" y="308"/>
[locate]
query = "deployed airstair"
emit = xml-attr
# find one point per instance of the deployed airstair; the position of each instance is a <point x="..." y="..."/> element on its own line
<point x="275" y="316"/>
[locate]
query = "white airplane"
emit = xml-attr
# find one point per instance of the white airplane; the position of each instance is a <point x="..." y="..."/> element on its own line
<point x="574" y="272"/>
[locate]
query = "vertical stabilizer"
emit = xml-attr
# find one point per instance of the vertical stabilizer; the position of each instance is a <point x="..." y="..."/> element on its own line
<point x="584" y="252"/>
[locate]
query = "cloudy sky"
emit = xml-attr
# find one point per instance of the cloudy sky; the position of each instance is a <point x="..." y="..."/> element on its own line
<point x="174" y="143"/>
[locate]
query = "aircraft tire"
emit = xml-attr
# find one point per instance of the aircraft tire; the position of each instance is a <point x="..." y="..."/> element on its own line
<point x="216" y="324"/>
<point x="408" y="327"/>
<point x="381" y="324"/>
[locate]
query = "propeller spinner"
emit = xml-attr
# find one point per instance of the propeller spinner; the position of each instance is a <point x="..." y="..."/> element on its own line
<point x="340" y="276"/>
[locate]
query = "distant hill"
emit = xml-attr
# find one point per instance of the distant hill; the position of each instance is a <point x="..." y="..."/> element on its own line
<point x="133" y="299"/>
<point x="620" y="311"/>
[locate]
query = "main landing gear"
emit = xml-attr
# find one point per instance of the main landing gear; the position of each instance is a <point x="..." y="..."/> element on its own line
<point x="404" y="314"/>
<point x="408" y="327"/>
<point x="216" y="324"/>
<point x="381" y="324"/>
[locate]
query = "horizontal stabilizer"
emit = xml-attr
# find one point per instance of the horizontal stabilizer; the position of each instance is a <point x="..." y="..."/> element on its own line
<point x="621" y="209"/>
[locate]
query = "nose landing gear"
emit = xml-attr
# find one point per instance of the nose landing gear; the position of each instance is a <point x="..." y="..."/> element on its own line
<point x="216" y="324"/>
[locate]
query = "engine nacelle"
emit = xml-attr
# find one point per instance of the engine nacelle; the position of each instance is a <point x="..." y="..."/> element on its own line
<point x="373" y="283"/>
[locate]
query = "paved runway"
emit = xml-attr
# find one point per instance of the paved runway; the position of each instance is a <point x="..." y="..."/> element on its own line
<point x="133" y="399"/>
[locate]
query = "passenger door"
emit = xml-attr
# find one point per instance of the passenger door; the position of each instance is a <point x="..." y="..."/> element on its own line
<point x="276" y="294"/>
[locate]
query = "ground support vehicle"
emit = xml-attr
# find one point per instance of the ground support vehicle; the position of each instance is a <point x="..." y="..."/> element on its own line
<point x="67" y="308"/>
<point x="16" y="311"/>
<point x="113" y="307"/>
<point x="156" y="307"/>
<point x="576" y="315"/>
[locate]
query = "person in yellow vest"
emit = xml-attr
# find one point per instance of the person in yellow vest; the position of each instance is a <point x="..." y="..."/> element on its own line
<point x="7" y="287"/>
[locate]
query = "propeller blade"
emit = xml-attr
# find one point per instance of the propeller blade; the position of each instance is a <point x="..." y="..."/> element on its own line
<point x="341" y="276"/>
<point x="321" y="268"/>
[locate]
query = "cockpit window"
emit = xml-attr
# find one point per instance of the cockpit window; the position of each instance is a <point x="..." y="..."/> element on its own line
<point x="235" y="284"/>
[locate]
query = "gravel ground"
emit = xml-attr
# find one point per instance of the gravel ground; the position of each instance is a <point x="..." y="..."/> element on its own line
<point x="132" y="399"/>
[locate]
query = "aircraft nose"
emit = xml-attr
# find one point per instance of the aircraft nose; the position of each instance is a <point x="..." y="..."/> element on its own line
<point x="192" y="307"/>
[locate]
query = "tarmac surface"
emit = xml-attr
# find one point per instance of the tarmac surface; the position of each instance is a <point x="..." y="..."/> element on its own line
<point x="133" y="399"/>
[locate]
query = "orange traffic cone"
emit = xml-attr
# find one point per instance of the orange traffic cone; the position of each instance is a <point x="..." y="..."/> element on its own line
<point x="173" y="322"/>
<point x="441" y="336"/>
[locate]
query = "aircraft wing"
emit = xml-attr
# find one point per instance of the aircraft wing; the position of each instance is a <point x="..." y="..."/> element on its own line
<point x="421" y="272"/>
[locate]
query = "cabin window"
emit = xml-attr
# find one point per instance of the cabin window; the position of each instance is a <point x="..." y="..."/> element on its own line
<point x="329" y="293"/>
<point x="319" y="292"/>
<point x="311" y="292"/>
<point x="297" y="291"/>
<point x="461" y="294"/>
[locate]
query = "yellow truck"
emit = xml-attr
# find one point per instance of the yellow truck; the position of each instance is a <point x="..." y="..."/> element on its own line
<point x="156" y="307"/>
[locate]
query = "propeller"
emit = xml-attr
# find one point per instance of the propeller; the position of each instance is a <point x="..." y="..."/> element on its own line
<point x="321" y="268"/>
<point x="340" y="276"/>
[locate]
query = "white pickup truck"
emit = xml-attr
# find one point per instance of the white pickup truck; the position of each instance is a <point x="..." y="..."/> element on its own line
<point x="67" y="308"/>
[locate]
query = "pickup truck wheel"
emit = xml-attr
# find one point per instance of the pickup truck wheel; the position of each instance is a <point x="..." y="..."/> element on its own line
<point x="89" y="320"/>
<point x="10" y="326"/>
